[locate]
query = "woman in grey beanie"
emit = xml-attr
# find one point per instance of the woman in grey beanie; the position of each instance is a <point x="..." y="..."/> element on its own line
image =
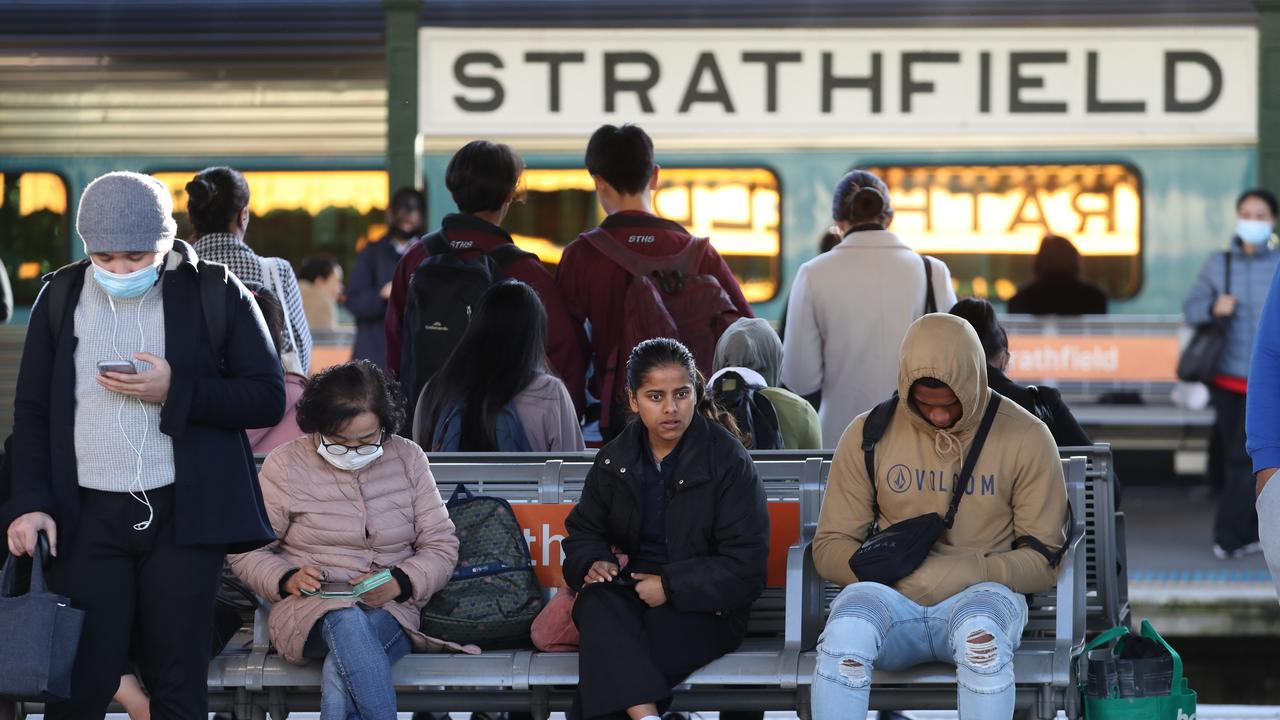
<point x="156" y="481"/>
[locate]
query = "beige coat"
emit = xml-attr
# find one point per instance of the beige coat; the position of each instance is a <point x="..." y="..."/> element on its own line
<point x="1016" y="488"/>
<point x="388" y="514"/>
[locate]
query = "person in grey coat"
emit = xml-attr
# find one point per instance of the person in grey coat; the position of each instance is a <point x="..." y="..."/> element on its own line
<point x="1249" y="263"/>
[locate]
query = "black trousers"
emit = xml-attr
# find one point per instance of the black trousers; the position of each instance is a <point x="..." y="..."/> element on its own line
<point x="142" y="592"/>
<point x="631" y="654"/>
<point x="1236" y="523"/>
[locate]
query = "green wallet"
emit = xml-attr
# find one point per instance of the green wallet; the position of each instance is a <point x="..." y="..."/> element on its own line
<point x="346" y="590"/>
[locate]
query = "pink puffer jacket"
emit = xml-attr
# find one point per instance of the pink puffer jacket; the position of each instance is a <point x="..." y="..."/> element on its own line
<point x="388" y="514"/>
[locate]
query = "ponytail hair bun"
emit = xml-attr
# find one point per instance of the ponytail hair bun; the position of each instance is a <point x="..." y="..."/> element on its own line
<point x="860" y="197"/>
<point x="214" y="197"/>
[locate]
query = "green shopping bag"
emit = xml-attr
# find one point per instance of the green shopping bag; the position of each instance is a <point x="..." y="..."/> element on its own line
<point x="1178" y="704"/>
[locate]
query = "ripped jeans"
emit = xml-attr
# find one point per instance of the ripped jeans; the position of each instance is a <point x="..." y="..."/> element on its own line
<point x="874" y="626"/>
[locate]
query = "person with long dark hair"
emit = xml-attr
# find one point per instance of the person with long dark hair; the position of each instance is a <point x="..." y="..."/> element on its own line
<point x="218" y="207"/>
<point x="678" y="494"/>
<point x="495" y="391"/>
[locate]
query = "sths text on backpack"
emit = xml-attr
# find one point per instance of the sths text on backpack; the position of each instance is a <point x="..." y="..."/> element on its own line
<point x="493" y="596"/>
<point x="666" y="297"/>
<point x="737" y="390"/>
<point x="443" y="291"/>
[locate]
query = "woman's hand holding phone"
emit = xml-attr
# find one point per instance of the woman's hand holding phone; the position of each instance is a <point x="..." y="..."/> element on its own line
<point x="308" y="579"/>
<point x="151" y="386"/>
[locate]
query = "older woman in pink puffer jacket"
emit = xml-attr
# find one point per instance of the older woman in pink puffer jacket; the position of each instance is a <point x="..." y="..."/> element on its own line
<point x="346" y="501"/>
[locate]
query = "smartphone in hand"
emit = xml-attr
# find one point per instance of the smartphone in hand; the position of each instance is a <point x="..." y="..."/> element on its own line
<point x="117" y="366"/>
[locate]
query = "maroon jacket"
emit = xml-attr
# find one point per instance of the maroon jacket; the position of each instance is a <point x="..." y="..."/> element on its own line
<point x="594" y="286"/>
<point x="566" y="341"/>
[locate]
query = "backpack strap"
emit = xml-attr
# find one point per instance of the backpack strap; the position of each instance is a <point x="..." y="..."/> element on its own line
<point x="508" y="253"/>
<point x="686" y="261"/>
<point x="436" y="244"/>
<point x="873" y="429"/>
<point x="970" y="460"/>
<point x="213" y="297"/>
<point x="930" y="304"/>
<point x="61" y="284"/>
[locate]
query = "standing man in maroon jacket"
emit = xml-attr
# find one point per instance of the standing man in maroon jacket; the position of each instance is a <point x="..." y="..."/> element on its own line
<point x="620" y="160"/>
<point x="482" y="177"/>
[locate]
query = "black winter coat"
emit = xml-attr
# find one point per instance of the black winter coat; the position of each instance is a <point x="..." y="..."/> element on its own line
<point x="218" y="500"/>
<point x="717" y="519"/>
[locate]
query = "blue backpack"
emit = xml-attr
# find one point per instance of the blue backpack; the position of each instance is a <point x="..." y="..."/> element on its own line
<point x="508" y="431"/>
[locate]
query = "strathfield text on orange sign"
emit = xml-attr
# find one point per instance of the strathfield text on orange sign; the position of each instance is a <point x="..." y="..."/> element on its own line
<point x="1068" y="357"/>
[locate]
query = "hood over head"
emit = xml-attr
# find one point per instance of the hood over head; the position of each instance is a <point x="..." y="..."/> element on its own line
<point x="751" y="343"/>
<point x="945" y="347"/>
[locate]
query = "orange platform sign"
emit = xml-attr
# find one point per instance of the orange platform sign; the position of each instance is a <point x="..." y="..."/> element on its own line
<point x="543" y="527"/>
<point x="1093" y="357"/>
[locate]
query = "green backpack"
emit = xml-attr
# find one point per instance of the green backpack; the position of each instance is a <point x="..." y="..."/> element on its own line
<point x="493" y="596"/>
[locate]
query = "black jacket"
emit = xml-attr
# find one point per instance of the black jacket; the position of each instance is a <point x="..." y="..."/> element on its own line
<point x="218" y="501"/>
<point x="717" y="519"/>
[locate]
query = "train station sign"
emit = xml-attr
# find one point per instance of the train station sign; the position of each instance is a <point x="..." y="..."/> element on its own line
<point x="1192" y="84"/>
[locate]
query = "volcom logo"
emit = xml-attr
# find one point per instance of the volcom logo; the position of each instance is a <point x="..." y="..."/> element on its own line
<point x="645" y="239"/>
<point x="899" y="478"/>
<point x="437" y="326"/>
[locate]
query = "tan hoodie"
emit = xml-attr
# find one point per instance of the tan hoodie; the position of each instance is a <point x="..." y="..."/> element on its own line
<point x="1017" y="486"/>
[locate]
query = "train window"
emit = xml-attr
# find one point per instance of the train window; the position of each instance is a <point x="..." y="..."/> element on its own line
<point x="738" y="208"/>
<point x="986" y="221"/>
<point x="297" y="213"/>
<point x="33" y="230"/>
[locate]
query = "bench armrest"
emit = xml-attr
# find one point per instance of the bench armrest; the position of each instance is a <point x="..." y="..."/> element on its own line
<point x="1069" y="620"/>
<point x="804" y="598"/>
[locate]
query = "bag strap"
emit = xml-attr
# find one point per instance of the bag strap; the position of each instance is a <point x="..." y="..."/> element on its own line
<point x="508" y="253"/>
<point x="214" y="278"/>
<point x="460" y="492"/>
<point x="930" y="303"/>
<point x="61" y="284"/>
<point x="686" y="261"/>
<point x="1150" y="633"/>
<point x="437" y="244"/>
<point x="1103" y="638"/>
<point x="1226" y="257"/>
<point x="873" y="429"/>
<point x="970" y="460"/>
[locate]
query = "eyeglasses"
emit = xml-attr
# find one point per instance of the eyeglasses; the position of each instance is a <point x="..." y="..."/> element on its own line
<point x="340" y="449"/>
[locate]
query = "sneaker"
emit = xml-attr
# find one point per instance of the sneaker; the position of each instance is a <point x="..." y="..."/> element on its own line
<point x="1252" y="548"/>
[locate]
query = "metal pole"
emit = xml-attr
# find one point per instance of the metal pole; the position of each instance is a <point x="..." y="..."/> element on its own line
<point x="402" y="20"/>
<point x="1268" y="98"/>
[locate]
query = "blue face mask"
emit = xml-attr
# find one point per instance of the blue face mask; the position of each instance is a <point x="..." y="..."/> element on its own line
<point x="1254" y="232"/>
<point x="129" y="285"/>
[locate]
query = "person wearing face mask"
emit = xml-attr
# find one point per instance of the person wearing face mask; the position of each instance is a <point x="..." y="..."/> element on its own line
<point x="138" y="471"/>
<point x="1232" y="289"/>
<point x="964" y="604"/>
<point x="369" y="288"/>
<point x="349" y="500"/>
<point x="483" y="178"/>
<point x="218" y="206"/>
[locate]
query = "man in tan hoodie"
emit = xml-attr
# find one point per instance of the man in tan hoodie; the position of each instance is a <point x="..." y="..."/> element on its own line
<point x="964" y="604"/>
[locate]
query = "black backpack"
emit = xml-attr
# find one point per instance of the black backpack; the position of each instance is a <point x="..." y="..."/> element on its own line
<point x="493" y="595"/>
<point x="756" y="417"/>
<point x="443" y="291"/>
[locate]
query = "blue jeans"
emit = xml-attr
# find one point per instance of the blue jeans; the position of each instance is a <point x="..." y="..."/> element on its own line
<point x="356" y="680"/>
<point x="874" y="626"/>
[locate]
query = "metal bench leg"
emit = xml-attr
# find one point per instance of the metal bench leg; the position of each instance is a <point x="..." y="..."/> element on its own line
<point x="275" y="704"/>
<point x="540" y="704"/>
<point x="804" y="708"/>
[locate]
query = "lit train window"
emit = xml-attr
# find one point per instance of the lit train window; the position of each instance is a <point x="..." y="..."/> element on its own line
<point x="986" y="221"/>
<point x="738" y="208"/>
<point x="33" y="230"/>
<point x="294" y="214"/>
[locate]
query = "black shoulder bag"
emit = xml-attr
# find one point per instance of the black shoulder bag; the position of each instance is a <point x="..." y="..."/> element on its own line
<point x="1199" y="359"/>
<point x="895" y="552"/>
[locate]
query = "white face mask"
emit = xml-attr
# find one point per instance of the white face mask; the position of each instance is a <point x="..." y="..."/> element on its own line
<point x="350" y="461"/>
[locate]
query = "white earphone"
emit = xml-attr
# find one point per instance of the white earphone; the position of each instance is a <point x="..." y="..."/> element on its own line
<point x="146" y="426"/>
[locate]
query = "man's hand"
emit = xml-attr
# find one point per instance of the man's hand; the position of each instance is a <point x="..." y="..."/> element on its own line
<point x="381" y="595"/>
<point x="308" y="579"/>
<point x="601" y="571"/>
<point x="1224" y="306"/>
<point x="151" y="386"/>
<point x="24" y="530"/>
<point x="650" y="590"/>
<point x="1263" y="477"/>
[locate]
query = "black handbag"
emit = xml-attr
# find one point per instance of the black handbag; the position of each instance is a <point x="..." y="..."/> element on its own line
<point x="895" y="552"/>
<point x="1198" y="361"/>
<point x="41" y="632"/>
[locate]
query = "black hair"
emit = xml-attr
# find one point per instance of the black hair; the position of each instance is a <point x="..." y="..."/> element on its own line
<point x="1262" y="194"/>
<point x="317" y="267"/>
<point x="860" y="197"/>
<point x="662" y="352"/>
<point x="482" y="175"/>
<point x="621" y="156"/>
<point x="272" y="312"/>
<point x="829" y="240"/>
<point x="502" y="351"/>
<point x="344" y="391"/>
<point x="215" y="196"/>
<point x="982" y="316"/>
<point x="1057" y="256"/>
<point x="407" y="199"/>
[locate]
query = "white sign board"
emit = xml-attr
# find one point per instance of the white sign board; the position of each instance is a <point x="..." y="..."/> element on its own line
<point x="1009" y="85"/>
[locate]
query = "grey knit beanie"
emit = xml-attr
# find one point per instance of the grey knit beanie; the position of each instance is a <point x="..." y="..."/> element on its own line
<point x="126" y="212"/>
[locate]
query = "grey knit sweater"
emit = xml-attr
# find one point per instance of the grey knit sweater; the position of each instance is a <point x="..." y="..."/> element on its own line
<point x="106" y="422"/>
